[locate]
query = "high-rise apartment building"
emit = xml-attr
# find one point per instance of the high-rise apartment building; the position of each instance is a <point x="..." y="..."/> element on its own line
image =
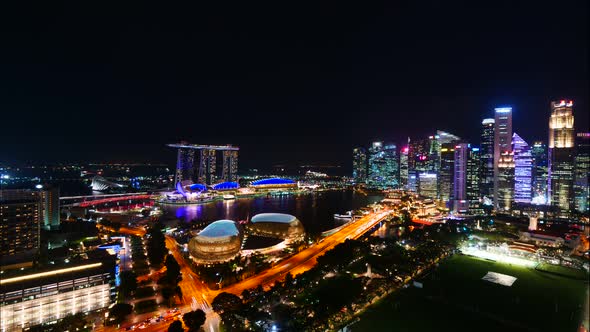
<point x="359" y="165"/>
<point x="487" y="159"/>
<point x="540" y="173"/>
<point x="49" y="196"/>
<point x="523" y="167"/>
<point x="582" y="173"/>
<point x="20" y="226"/>
<point x="503" y="156"/>
<point x="561" y="156"/>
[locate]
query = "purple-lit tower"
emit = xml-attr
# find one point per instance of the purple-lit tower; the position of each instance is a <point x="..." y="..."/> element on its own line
<point x="523" y="166"/>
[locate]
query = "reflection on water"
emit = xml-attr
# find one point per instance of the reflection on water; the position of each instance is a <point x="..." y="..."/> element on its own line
<point x="315" y="210"/>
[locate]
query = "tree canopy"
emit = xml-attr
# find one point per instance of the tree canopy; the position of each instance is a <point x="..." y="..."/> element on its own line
<point x="176" y="326"/>
<point x="194" y="319"/>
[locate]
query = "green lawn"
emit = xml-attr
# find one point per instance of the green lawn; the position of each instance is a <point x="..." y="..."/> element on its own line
<point x="563" y="271"/>
<point x="454" y="298"/>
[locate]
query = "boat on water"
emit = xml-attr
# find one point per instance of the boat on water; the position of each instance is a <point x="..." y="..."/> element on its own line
<point x="228" y="197"/>
<point x="347" y="215"/>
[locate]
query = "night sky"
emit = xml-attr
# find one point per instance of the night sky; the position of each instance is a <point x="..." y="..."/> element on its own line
<point x="284" y="81"/>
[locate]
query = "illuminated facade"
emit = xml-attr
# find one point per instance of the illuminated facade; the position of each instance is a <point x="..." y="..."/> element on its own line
<point x="20" y="223"/>
<point x="561" y="156"/>
<point x="230" y="166"/>
<point x="505" y="181"/>
<point x="273" y="183"/>
<point x="50" y="206"/>
<point x="185" y="166"/>
<point x="277" y="225"/>
<point x="582" y="172"/>
<point x="473" y="181"/>
<point x="487" y="158"/>
<point x="383" y="166"/>
<point x="446" y="173"/>
<point x="218" y="242"/>
<point x="427" y="184"/>
<point x="540" y="173"/>
<point x="460" y="203"/>
<point x="207" y="164"/>
<point x="403" y="167"/>
<point x="418" y="156"/>
<point x="359" y="165"/>
<point x="38" y="298"/>
<point x="502" y="155"/>
<point x="523" y="167"/>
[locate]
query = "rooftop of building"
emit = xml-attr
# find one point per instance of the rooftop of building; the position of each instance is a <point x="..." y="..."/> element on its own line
<point x="271" y="181"/>
<point x="220" y="228"/>
<point x="274" y="217"/>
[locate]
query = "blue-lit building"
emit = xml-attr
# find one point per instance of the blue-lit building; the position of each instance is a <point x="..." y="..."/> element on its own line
<point x="225" y="186"/>
<point x="383" y="166"/>
<point x="540" y="173"/>
<point x="582" y="172"/>
<point x="272" y="183"/>
<point x="523" y="166"/>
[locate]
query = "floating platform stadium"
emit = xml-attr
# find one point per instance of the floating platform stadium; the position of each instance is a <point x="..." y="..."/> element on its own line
<point x="218" y="242"/>
<point x="277" y="225"/>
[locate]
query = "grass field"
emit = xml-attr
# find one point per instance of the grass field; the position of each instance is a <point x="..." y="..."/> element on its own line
<point x="455" y="298"/>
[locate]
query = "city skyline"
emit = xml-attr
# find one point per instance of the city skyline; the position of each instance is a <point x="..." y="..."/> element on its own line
<point x="324" y="87"/>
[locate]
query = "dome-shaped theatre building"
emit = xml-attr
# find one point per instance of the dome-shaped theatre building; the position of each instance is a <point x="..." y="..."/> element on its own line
<point x="219" y="241"/>
<point x="277" y="225"/>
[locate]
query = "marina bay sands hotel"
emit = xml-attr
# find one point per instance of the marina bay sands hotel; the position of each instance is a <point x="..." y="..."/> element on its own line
<point x="204" y="169"/>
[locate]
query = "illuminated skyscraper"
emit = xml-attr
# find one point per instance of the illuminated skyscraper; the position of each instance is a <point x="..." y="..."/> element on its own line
<point x="383" y="165"/>
<point x="561" y="156"/>
<point x="473" y="181"/>
<point x="523" y="167"/>
<point x="582" y="172"/>
<point x="207" y="164"/>
<point x="230" y="166"/>
<point x="487" y="158"/>
<point x="503" y="155"/>
<point x="418" y="156"/>
<point x="403" y="167"/>
<point x="540" y="171"/>
<point x="446" y="174"/>
<point x="359" y="165"/>
<point x="461" y="155"/>
<point x="185" y="170"/>
<point x="505" y="181"/>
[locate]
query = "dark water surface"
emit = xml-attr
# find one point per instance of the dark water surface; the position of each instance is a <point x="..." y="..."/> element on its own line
<point x="315" y="210"/>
